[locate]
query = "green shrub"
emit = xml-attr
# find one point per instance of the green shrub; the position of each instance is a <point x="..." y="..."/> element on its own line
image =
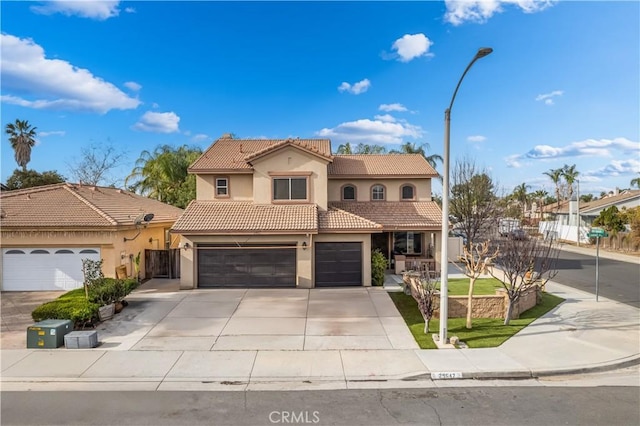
<point x="72" y="306"/>
<point x="378" y="266"/>
<point x="109" y="290"/>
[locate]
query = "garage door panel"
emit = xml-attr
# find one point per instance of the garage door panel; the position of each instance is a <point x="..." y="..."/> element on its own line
<point x="338" y="264"/>
<point x="44" y="269"/>
<point x="246" y="267"/>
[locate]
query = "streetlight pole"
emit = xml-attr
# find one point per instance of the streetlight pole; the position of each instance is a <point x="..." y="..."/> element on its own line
<point x="444" y="262"/>
<point x="578" y="212"/>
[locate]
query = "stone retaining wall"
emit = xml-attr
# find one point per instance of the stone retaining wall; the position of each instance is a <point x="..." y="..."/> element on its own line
<point x="487" y="306"/>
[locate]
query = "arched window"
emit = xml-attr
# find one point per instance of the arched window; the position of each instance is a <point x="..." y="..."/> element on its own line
<point x="88" y="251"/>
<point x="39" y="252"/>
<point x="377" y="192"/>
<point x="348" y="193"/>
<point x="64" y="251"/>
<point x="407" y="192"/>
<point x="14" y="252"/>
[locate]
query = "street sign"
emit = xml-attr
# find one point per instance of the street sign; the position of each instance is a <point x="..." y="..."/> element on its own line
<point x="597" y="233"/>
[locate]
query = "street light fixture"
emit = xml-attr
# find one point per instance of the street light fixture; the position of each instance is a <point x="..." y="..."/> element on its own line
<point x="444" y="279"/>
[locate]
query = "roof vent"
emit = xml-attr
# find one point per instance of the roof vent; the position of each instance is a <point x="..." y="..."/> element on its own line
<point x="227" y="136"/>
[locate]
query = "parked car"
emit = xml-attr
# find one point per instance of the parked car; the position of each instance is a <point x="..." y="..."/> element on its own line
<point x="518" y="234"/>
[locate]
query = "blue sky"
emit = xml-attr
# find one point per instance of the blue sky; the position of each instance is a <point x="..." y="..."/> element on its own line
<point x="561" y="87"/>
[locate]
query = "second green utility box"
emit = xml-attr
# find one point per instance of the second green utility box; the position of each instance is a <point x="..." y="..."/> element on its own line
<point x="48" y="334"/>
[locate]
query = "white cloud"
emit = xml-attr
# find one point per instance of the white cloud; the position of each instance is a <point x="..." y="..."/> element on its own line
<point x="477" y="138"/>
<point x="158" y="122"/>
<point x="548" y="97"/>
<point x="355" y="88"/>
<point x="54" y="83"/>
<point x="200" y="137"/>
<point x="460" y="11"/>
<point x="94" y="9"/>
<point x="129" y="10"/>
<point x="132" y="85"/>
<point x="52" y="133"/>
<point x="388" y="118"/>
<point x="376" y="131"/>
<point x="615" y="168"/>
<point x="411" y="46"/>
<point x="586" y="148"/>
<point x="392" y="107"/>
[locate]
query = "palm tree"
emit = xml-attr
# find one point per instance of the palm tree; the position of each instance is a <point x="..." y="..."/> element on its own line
<point x="162" y="174"/>
<point x="635" y="182"/>
<point x="539" y="196"/>
<point x="412" y="148"/>
<point x="555" y="175"/>
<point x="345" y="149"/>
<point x="22" y="138"/>
<point x="520" y="194"/>
<point x="570" y="174"/>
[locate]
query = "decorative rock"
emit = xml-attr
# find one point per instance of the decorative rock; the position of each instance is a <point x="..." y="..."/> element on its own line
<point x="454" y="340"/>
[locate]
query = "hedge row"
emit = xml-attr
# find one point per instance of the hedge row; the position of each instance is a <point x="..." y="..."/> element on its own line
<point x="74" y="305"/>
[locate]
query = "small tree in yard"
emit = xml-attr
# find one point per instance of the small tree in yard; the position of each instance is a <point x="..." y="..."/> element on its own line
<point x="524" y="264"/>
<point x="476" y="259"/>
<point x="92" y="271"/>
<point x="423" y="288"/>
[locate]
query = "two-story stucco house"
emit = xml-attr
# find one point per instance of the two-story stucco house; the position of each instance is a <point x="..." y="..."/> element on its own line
<point x="289" y="213"/>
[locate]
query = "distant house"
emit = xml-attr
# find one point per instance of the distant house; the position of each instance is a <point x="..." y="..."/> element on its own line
<point x="565" y="216"/>
<point x="290" y="213"/>
<point x="46" y="231"/>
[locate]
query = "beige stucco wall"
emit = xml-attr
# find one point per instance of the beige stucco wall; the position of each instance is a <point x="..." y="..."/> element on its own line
<point x="290" y="160"/>
<point x="240" y="187"/>
<point x="304" y="258"/>
<point x="113" y="249"/>
<point x="363" y="188"/>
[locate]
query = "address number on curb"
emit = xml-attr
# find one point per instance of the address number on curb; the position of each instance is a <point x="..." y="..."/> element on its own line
<point x="444" y="375"/>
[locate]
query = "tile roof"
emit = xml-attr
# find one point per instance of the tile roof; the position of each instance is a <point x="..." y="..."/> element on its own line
<point x="396" y="215"/>
<point x="69" y="205"/>
<point x="593" y="205"/>
<point x="213" y="217"/>
<point x="388" y="165"/>
<point x="227" y="154"/>
<point x="337" y="220"/>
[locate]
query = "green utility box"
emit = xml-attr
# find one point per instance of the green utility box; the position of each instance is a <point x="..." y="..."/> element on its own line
<point x="48" y="334"/>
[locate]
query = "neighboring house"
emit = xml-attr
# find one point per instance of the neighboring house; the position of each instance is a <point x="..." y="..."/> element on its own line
<point x="563" y="220"/>
<point x="46" y="231"/>
<point x="289" y="213"/>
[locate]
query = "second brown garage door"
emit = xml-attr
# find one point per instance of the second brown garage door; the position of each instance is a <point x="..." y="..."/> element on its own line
<point x="338" y="264"/>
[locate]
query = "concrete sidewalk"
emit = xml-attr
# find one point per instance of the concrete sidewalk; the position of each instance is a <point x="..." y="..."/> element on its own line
<point x="167" y="341"/>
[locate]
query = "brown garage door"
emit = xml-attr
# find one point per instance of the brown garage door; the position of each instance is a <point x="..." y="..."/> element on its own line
<point x="338" y="264"/>
<point x="246" y="267"/>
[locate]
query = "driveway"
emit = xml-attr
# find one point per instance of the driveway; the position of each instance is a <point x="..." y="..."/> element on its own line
<point x="16" y="315"/>
<point x="162" y="317"/>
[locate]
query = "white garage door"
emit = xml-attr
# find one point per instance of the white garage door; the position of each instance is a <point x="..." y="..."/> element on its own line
<point x="44" y="269"/>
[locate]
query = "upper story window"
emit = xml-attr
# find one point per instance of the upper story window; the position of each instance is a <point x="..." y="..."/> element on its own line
<point x="377" y="192"/>
<point x="288" y="189"/>
<point x="407" y="192"/>
<point x="348" y="193"/>
<point x="222" y="187"/>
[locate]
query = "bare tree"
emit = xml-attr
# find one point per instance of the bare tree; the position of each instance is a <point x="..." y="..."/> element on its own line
<point x="476" y="259"/>
<point x="524" y="264"/>
<point x="473" y="200"/>
<point x="96" y="163"/>
<point x="423" y="288"/>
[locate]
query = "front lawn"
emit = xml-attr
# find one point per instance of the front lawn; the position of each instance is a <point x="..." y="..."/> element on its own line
<point x="486" y="332"/>
<point x="460" y="286"/>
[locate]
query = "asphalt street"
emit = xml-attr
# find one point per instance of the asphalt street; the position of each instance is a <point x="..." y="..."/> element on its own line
<point x="452" y="406"/>
<point x="619" y="281"/>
